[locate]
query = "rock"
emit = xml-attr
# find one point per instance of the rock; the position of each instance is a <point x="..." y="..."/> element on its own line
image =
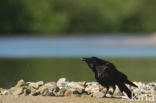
<point x="18" y="91"/>
<point x="49" y="89"/>
<point x="140" y="84"/>
<point x="34" y="93"/>
<point x="62" y="82"/>
<point x="36" y="84"/>
<point x="83" y="83"/>
<point x="14" y="91"/>
<point x="75" y="94"/>
<point x="20" y="83"/>
<point x="75" y="87"/>
<point x="61" y="92"/>
<point x="31" y="91"/>
<point x="151" y="86"/>
<point x="51" y="85"/>
<point x="26" y="92"/>
<point x="98" y="94"/>
<point x="3" y="91"/>
<point x="92" y="87"/>
<point x="46" y="92"/>
<point x="67" y="93"/>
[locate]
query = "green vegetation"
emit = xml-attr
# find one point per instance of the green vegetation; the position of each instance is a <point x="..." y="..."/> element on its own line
<point x="81" y="16"/>
<point x="51" y="69"/>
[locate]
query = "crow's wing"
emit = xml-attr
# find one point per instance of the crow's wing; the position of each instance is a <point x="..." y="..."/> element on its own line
<point x="106" y="71"/>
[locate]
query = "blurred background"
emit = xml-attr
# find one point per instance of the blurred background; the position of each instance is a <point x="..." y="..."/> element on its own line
<point x="45" y="39"/>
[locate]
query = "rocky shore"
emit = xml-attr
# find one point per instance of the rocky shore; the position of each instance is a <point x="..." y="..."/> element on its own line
<point x="84" y="89"/>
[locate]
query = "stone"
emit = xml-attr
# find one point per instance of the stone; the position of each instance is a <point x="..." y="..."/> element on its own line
<point x="75" y="87"/>
<point x="18" y="91"/>
<point x="61" y="92"/>
<point x="82" y="83"/>
<point x="35" y="84"/>
<point x="67" y="93"/>
<point x="151" y="86"/>
<point x="49" y="89"/>
<point x="45" y="92"/>
<point x="26" y="92"/>
<point x="31" y="91"/>
<point x="75" y="94"/>
<point x="34" y="93"/>
<point x="51" y="85"/>
<point x="20" y="83"/>
<point x="98" y="94"/>
<point x="62" y="82"/>
<point x="3" y="91"/>
<point x="92" y="87"/>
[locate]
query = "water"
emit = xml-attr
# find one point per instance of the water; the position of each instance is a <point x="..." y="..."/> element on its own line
<point x="49" y="58"/>
<point x="21" y="47"/>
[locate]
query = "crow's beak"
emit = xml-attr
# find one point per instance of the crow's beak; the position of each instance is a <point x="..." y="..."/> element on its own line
<point x="83" y="59"/>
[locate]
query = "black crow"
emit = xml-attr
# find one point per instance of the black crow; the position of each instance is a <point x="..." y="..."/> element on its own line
<point x="108" y="76"/>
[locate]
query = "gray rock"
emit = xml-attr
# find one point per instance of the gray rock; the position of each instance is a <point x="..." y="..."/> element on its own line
<point x="61" y="92"/>
<point x="20" y="83"/>
<point x="92" y="87"/>
<point x="67" y="93"/>
<point x="73" y="89"/>
<point x="26" y="92"/>
<point x="34" y="93"/>
<point x="98" y="94"/>
<point x="49" y="89"/>
<point x="18" y="91"/>
<point x="62" y="82"/>
<point x="82" y="83"/>
<point x="73" y="86"/>
<point x="35" y="84"/>
<point x="31" y="91"/>
<point x="51" y="85"/>
<point x="1" y="90"/>
<point x="46" y="92"/>
<point x="4" y="92"/>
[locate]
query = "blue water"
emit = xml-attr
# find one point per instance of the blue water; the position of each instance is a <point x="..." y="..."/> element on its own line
<point x="72" y="46"/>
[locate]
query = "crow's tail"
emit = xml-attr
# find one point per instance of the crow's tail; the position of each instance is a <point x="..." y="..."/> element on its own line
<point x="130" y="83"/>
<point x="123" y="88"/>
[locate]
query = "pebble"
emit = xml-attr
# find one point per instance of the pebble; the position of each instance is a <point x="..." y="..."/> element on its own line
<point x="67" y="93"/>
<point x="20" y="83"/>
<point x="63" y="87"/>
<point x="18" y="91"/>
<point x="73" y="86"/>
<point x="98" y="94"/>
<point x="61" y="92"/>
<point x="62" y="82"/>
<point x="35" y="84"/>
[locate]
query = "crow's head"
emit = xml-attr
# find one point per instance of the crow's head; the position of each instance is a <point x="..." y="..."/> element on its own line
<point x="93" y="61"/>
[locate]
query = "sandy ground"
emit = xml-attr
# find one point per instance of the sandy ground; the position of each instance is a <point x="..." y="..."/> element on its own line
<point x="41" y="99"/>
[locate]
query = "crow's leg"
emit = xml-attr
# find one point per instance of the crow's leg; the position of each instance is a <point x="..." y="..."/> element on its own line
<point x="106" y="91"/>
<point x="113" y="90"/>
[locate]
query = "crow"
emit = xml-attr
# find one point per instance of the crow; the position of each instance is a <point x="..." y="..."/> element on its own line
<point x="108" y="75"/>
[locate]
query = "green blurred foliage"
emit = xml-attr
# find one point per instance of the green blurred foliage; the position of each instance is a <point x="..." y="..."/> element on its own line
<point x="81" y="16"/>
<point x="51" y="69"/>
